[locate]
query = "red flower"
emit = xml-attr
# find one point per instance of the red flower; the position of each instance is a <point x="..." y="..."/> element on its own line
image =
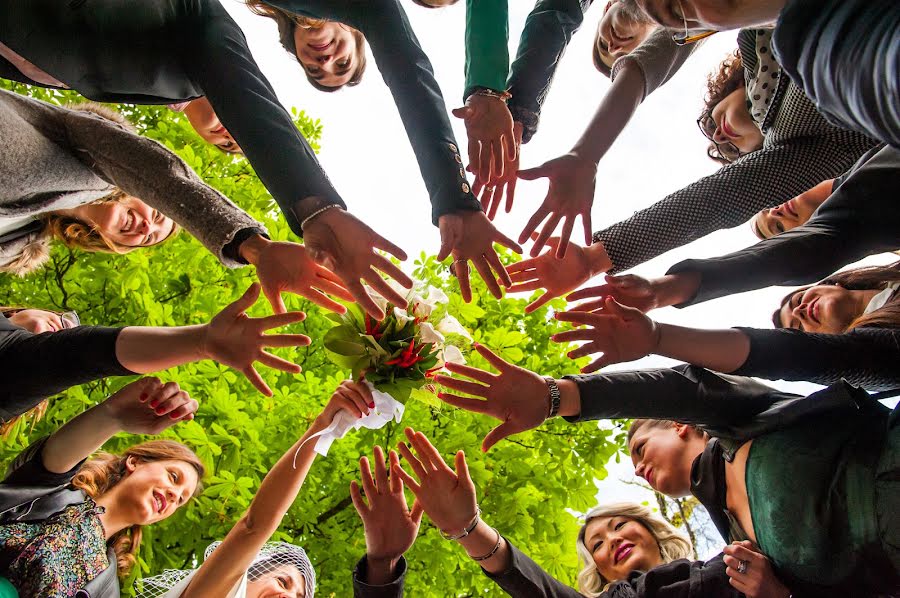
<point x="372" y="327"/>
<point x="409" y="357"/>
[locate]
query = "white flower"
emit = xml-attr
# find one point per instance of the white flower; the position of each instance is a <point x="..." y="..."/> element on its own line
<point x="437" y="296"/>
<point x="450" y="325"/>
<point x="453" y="355"/>
<point x="402" y="317"/>
<point x="422" y="306"/>
<point x="427" y="334"/>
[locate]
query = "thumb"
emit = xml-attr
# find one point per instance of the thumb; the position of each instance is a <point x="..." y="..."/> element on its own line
<point x="530" y="174"/>
<point x="245" y="301"/>
<point x="416" y="514"/>
<point x="497" y="434"/>
<point x="464" y="112"/>
<point x="273" y="294"/>
<point x="448" y="241"/>
<point x="615" y="308"/>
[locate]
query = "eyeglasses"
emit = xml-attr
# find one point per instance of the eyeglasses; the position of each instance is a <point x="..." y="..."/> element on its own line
<point x="727" y="150"/>
<point x="683" y="38"/>
<point x="69" y="319"/>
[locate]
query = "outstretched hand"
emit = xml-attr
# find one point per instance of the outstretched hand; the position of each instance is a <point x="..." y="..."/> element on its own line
<point x="390" y="526"/>
<point x="347" y="246"/>
<point x="447" y="496"/>
<point x="489" y="127"/>
<point x="620" y="333"/>
<point x="288" y="267"/>
<point x="495" y="189"/>
<point x="517" y="397"/>
<point x="471" y="236"/>
<point x="627" y="289"/>
<point x="147" y="406"/>
<point x="237" y="340"/>
<point x="758" y="579"/>
<point x="571" y="194"/>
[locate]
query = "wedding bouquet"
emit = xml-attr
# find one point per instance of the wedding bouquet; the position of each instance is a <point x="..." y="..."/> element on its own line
<point x="396" y="356"/>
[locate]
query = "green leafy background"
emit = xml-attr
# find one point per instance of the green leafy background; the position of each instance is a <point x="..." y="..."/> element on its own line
<point x="528" y="486"/>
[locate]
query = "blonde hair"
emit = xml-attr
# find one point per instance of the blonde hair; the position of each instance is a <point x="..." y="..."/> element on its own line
<point x="101" y="473"/>
<point x="673" y="545"/>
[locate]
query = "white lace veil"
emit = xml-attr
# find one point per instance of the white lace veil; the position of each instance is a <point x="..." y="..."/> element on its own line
<point x="272" y="557"/>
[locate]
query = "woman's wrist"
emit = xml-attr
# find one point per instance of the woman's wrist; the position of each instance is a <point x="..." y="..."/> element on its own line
<point x="570" y="398"/>
<point x="673" y="289"/>
<point x="598" y="259"/>
<point x="380" y="570"/>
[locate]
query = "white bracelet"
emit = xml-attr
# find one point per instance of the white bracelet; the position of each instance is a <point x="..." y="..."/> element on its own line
<point x="316" y="213"/>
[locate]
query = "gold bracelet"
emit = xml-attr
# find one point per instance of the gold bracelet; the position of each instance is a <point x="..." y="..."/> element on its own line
<point x="503" y="96"/>
<point x="493" y="551"/>
<point x="316" y="213"/>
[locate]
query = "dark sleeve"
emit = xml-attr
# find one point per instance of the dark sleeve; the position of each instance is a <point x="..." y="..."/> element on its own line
<point x="245" y="102"/>
<point x="27" y="469"/>
<point x="864" y="357"/>
<point x="487" y="45"/>
<point x="860" y="218"/>
<point x="547" y="32"/>
<point x="846" y="56"/>
<point x="686" y="393"/>
<point x="730" y="196"/>
<point x="393" y="589"/>
<point x="34" y="367"/>
<point x="525" y="579"/>
<point x="686" y="579"/>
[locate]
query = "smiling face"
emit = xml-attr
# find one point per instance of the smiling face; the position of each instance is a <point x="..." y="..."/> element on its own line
<point x="153" y="491"/>
<point x="792" y="213"/>
<point x="731" y="127"/>
<point x="663" y="456"/>
<point x="712" y="14"/>
<point x="824" y="308"/>
<point x="128" y="222"/>
<point x="621" y="31"/>
<point x="619" y="545"/>
<point x="203" y="118"/>
<point x="328" y="53"/>
<point x="282" y="582"/>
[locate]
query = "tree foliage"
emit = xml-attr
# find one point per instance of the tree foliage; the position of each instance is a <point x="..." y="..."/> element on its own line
<point x="527" y="486"/>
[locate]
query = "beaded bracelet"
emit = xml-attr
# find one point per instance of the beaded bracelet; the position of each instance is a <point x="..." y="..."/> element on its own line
<point x="493" y="551"/>
<point x="316" y="213"/>
<point x="468" y="529"/>
<point x="490" y="93"/>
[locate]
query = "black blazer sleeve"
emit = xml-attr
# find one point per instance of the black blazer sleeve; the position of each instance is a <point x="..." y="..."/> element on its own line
<point x="682" y="579"/>
<point x="548" y="30"/>
<point x="408" y="73"/>
<point x="27" y="469"/>
<point x="864" y="357"/>
<point x="394" y="589"/>
<point x="862" y="217"/>
<point x="525" y="579"/>
<point x="36" y="366"/>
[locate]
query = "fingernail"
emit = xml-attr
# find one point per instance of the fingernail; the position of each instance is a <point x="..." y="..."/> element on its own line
<point x="159" y="411"/>
<point x="144" y="396"/>
<point x="371" y="405"/>
<point x="153" y="404"/>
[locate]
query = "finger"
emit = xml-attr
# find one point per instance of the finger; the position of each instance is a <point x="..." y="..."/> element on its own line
<point x="510" y="194"/>
<point x="360" y="394"/>
<point x="381" y="476"/>
<point x="473" y="405"/>
<point x="358" y="501"/>
<point x="526" y="287"/>
<point x="427" y="451"/>
<point x="484" y="270"/>
<point x="286" y="340"/>
<point x="275" y="362"/>
<point x="497" y="266"/>
<point x="498" y="158"/>
<point x="462" y="386"/>
<point x="564" y="237"/>
<point x="741" y="553"/>
<point x="393" y="271"/>
<point x="533" y="223"/>
<point x="492" y="358"/>
<point x="380" y="286"/>
<point x="739" y="585"/>
<point x="416" y="514"/>
<point x="462" y="276"/>
<point x="588" y="231"/>
<point x="590" y="306"/>
<point x="474" y="373"/>
<point x="530" y="174"/>
<point x="586" y="349"/>
<point x="253" y="376"/>
<point x="506" y="242"/>
<point x="539" y="302"/>
<point x="474" y="158"/>
<point x="365" y="475"/>
<point x="383" y="244"/>
<point x="245" y="301"/>
<point x="493" y="202"/>
<point x="364" y="300"/>
<point x="570" y="336"/>
<point x="496" y="435"/>
<point x="463" y="112"/>
<point x="509" y="145"/>
<point x="580" y="317"/>
<point x="186" y="411"/>
<point x="414" y="463"/>
<point x="395" y="481"/>
<point x="273" y="294"/>
<point x="484" y="161"/>
<point x="325" y="301"/>
<point x="521" y="267"/>
<point x="602" y="362"/>
<point x="346" y="399"/>
<point x="462" y="470"/>
<point x="596" y="291"/>
<point x="278" y="320"/>
<point x="410" y="482"/>
<point x="172" y="403"/>
<point x="163" y="393"/>
<point x="545" y="234"/>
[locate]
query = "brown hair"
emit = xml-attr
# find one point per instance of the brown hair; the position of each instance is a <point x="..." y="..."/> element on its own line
<point x="861" y="279"/>
<point x="287" y="21"/>
<point x="646" y="423"/>
<point x="102" y="472"/>
<point x="720" y="84"/>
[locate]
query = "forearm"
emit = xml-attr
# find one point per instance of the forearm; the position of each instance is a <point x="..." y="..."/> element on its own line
<point x="615" y="111"/>
<point x="720" y="350"/>
<point x="487" y="45"/>
<point x="380" y="572"/>
<point x="144" y="349"/>
<point x="78" y="439"/>
<point x="481" y="541"/>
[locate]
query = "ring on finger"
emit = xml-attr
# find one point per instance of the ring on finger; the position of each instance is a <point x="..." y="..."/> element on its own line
<point x="742" y="566"/>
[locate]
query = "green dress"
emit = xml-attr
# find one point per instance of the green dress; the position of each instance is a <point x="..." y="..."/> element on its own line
<point x="487" y="45"/>
<point x="824" y="497"/>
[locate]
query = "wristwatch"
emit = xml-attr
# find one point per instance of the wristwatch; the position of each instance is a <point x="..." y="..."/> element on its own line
<point x="554" y="397"/>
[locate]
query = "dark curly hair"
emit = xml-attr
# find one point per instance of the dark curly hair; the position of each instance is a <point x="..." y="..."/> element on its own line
<point x="720" y="84"/>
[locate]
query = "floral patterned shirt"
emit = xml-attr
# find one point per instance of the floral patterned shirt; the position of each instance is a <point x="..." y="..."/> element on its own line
<point x="58" y="556"/>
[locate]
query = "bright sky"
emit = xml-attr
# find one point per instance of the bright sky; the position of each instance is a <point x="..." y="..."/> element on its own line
<point x="367" y="156"/>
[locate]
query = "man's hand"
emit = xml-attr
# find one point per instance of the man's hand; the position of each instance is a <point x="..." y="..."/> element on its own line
<point x="517" y="397"/>
<point x="236" y="340"/>
<point x="489" y="127"/>
<point x="288" y="267"/>
<point x="471" y="236"/>
<point x="390" y="527"/>
<point x="493" y="191"/>
<point x="571" y="194"/>
<point x="345" y="245"/>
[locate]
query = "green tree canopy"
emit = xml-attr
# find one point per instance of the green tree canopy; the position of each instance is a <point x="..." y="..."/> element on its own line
<point x="527" y="486"/>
